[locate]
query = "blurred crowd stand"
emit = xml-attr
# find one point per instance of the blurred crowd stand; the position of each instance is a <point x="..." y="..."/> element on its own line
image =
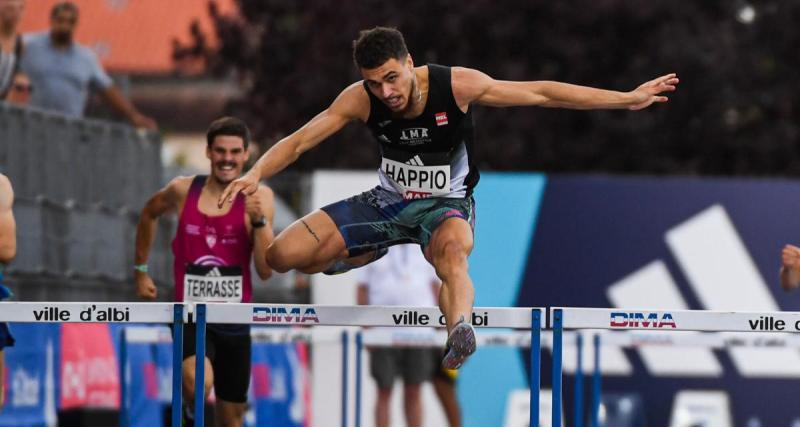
<point x="79" y="184"/>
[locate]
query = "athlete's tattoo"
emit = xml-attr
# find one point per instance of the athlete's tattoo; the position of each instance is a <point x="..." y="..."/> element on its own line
<point x="310" y="230"/>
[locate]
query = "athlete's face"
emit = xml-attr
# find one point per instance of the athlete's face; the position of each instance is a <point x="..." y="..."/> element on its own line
<point x="392" y="82"/>
<point x="227" y="155"/>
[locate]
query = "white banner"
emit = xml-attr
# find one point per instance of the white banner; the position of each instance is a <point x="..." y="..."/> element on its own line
<point x="677" y="320"/>
<point x="311" y="315"/>
<point x="86" y="312"/>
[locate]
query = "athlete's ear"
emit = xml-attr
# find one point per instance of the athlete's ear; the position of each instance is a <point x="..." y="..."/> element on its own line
<point x="208" y="152"/>
<point x="409" y="62"/>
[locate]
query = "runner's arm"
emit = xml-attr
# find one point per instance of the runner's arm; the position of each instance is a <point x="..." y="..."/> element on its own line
<point x="165" y="200"/>
<point x="351" y="104"/>
<point x="474" y="86"/>
<point x="8" y="228"/>
<point x="263" y="236"/>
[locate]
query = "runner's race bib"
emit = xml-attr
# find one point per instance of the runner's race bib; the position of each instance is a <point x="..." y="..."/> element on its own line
<point x="418" y="181"/>
<point x="209" y="283"/>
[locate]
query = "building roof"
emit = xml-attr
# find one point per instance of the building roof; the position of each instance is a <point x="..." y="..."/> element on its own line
<point x="132" y="36"/>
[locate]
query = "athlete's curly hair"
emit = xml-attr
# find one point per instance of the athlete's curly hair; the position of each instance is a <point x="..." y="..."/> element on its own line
<point x="378" y="45"/>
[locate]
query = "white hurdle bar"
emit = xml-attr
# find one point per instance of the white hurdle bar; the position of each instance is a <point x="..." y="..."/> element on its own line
<point x="389" y="316"/>
<point x="103" y="312"/>
<point x="564" y="318"/>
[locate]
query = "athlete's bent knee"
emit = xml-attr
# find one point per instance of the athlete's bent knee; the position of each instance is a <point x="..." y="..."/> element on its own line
<point x="450" y="258"/>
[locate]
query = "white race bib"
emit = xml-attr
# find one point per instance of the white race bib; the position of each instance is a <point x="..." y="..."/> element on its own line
<point x="417" y="182"/>
<point x="212" y="284"/>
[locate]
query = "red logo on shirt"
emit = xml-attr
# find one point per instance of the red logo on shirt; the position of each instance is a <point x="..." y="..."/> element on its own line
<point x="441" y="119"/>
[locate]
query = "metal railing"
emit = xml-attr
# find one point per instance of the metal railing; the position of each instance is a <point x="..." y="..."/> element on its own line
<point x="79" y="185"/>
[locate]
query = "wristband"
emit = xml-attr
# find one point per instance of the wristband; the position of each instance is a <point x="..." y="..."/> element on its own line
<point x="261" y="222"/>
<point x="142" y="268"/>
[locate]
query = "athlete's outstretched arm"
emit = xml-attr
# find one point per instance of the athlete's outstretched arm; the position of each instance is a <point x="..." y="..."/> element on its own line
<point x="474" y="86"/>
<point x="165" y="200"/>
<point x="8" y="233"/>
<point x="351" y="104"/>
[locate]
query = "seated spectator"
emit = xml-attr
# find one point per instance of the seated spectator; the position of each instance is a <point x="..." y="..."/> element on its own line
<point x="63" y="71"/>
<point x="20" y="89"/>
<point x="10" y="42"/>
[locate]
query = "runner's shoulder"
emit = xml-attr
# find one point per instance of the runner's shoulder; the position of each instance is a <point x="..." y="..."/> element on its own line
<point x="353" y="101"/>
<point x="179" y="186"/>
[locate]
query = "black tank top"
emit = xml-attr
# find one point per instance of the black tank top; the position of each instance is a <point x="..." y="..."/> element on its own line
<point x="430" y="155"/>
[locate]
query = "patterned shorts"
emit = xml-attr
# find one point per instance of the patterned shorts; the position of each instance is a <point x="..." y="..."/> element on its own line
<point x="380" y="218"/>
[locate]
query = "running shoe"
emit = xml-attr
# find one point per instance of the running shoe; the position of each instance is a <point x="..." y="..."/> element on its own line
<point x="460" y="345"/>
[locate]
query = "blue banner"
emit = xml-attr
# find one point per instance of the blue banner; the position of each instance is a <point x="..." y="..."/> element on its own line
<point x="30" y="365"/>
<point x="278" y="385"/>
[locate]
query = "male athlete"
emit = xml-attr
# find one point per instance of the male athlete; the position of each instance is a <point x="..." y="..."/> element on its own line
<point x="8" y="249"/>
<point x="422" y="120"/>
<point x="212" y="250"/>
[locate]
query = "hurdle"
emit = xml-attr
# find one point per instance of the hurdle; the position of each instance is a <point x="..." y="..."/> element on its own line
<point x="102" y="312"/>
<point x="387" y="316"/>
<point x="609" y="324"/>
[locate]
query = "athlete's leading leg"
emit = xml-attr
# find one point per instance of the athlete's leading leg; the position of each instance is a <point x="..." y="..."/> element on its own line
<point x="188" y="382"/>
<point x="310" y="244"/>
<point x="450" y="245"/>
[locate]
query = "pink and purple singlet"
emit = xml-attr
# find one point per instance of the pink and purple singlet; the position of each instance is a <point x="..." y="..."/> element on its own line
<point x="212" y="253"/>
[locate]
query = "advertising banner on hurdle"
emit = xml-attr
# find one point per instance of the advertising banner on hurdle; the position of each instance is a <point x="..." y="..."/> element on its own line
<point x="73" y="312"/>
<point x="314" y="315"/>
<point x="679" y="320"/>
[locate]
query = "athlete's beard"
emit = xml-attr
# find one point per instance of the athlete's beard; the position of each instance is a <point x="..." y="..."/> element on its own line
<point x="62" y="38"/>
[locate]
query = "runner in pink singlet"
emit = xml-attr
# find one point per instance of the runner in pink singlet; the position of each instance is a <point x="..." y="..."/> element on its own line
<point x="212" y="250"/>
<point x="212" y="253"/>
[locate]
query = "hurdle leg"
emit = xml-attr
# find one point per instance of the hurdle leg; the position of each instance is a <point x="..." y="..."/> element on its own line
<point x="177" y="364"/>
<point x="359" y="348"/>
<point x="579" y="381"/>
<point x="199" y="366"/>
<point x="596" y="383"/>
<point x="344" y="377"/>
<point x="536" y="364"/>
<point x="124" y="420"/>
<point x="557" y="355"/>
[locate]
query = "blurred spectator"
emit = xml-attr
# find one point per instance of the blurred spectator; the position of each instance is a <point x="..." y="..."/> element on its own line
<point x="19" y="92"/>
<point x="404" y="278"/>
<point x="8" y="249"/>
<point x="444" y="383"/>
<point x="10" y="42"/>
<point x="64" y="71"/>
